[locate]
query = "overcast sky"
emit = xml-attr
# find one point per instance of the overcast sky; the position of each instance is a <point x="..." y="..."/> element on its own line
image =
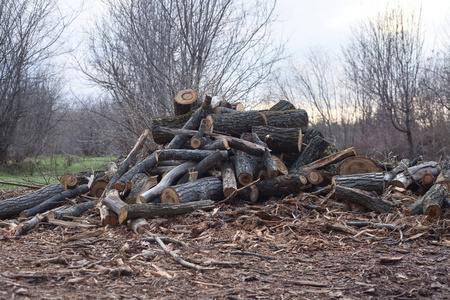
<point x="309" y="23"/>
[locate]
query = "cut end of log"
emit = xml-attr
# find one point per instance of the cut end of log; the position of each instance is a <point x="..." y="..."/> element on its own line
<point x="427" y="179"/>
<point x="196" y="142"/>
<point x="280" y="165"/>
<point x="98" y="187"/>
<point x="245" y="178"/>
<point x="123" y="215"/>
<point x="272" y="173"/>
<point x="239" y="107"/>
<point x="314" y="177"/>
<point x="169" y="196"/>
<point x="433" y="211"/>
<point x="186" y="97"/>
<point x="358" y="165"/>
<point x="68" y="181"/>
<point x="227" y="191"/>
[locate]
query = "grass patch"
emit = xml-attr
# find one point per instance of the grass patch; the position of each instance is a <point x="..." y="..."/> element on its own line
<point x="47" y="169"/>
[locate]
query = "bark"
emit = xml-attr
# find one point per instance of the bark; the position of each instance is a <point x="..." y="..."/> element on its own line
<point x="205" y="188"/>
<point x="184" y="101"/>
<point x="55" y="200"/>
<point x="311" y="153"/>
<point x="431" y="203"/>
<point x="358" y="165"/>
<point x="236" y="124"/>
<point x="281" y="186"/>
<point x="404" y="163"/>
<point x="283" y="105"/>
<point x="193" y="123"/>
<point x="136" y="184"/>
<point x="148" y="210"/>
<point x="328" y="160"/>
<point x="205" y="164"/>
<point x="169" y="179"/>
<point x="13" y="206"/>
<point x="167" y="154"/>
<point x="370" y="182"/>
<point x="161" y="137"/>
<point x="198" y="140"/>
<point x="224" y="110"/>
<point x="145" y="184"/>
<point x="72" y="211"/>
<point x="229" y="184"/>
<point x="444" y="177"/>
<point x="266" y="161"/>
<point x="414" y="174"/>
<point x="33" y="222"/>
<point x="363" y="198"/>
<point x="280" y="140"/>
<point x="246" y="168"/>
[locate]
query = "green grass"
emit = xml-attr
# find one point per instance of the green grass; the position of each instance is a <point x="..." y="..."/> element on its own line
<point x="47" y="169"/>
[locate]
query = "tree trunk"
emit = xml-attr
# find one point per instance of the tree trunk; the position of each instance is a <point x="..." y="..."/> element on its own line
<point x="404" y="163"/>
<point x="184" y="101"/>
<point x="370" y="182"/>
<point x="55" y="200"/>
<point x="281" y="186"/>
<point x="148" y="210"/>
<point x="13" y="206"/>
<point x="430" y="203"/>
<point x="246" y="168"/>
<point x="280" y="140"/>
<point x="358" y="165"/>
<point x="205" y="188"/>
<point x="363" y="198"/>
<point x="311" y="153"/>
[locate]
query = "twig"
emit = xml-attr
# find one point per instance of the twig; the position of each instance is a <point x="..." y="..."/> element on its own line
<point x="252" y="254"/>
<point x="179" y="259"/>
<point x="379" y="225"/>
<point x="165" y="239"/>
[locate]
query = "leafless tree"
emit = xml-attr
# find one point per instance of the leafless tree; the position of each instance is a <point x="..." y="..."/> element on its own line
<point x="28" y="34"/>
<point x="384" y="60"/>
<point x="143" y="52"/>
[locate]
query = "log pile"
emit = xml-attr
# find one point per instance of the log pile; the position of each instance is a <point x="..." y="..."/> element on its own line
<point x="212" y="155"/>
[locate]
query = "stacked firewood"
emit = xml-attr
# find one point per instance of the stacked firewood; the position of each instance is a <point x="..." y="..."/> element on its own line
<point x="218" y="152"/>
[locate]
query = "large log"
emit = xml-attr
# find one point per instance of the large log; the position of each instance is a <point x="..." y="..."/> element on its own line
<point x="113" y="201"/>
<point x="148" y="210"/>
<point x="266" y="161"/>
<point x="184" y="101"/>
<point x="414" y="174"/>
<point x="363" y="198"/>
<point x="312" y="152"/>
<point x="193" y="123"/>
<point x="282" y="185"/>
<point x="280" y="140"/>
<point x="236" y="124"/>
<point x="229" y="184"/>
<point x="328" y="160"/>
<point x="431" y="203"/>
<point x="358" y="165"/>
<point x="162" y="137"/>
<point x="167" y="154"/>
<point x="283" y="105"/>
<point x="55" y="201"/>
<point x="404" y="163"/>
<point x="370" y="182"/>
<point x="169" y="179"/>
<point x="13" y="206"/>
<point x="246" y="168"/>
<point x="72" y="211"/>
<point x="204" y="188"/>
<point x="142" y="186"/>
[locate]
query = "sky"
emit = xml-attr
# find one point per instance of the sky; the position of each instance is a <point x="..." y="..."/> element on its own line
<point x="304" y="23"/>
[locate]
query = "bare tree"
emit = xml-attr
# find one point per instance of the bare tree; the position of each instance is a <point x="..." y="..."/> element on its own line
<point x="143" y="52"/>
<point x="28" y="34"/>
<point x="384" y="59"/>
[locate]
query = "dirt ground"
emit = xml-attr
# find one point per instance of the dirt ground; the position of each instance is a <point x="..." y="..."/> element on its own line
<point x="293" y="248"/>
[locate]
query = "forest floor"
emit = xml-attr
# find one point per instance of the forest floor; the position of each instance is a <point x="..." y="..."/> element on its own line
<point x="292" y="248"/>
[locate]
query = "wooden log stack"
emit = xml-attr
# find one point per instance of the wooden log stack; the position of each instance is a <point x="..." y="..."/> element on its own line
<point x="209" y="156"/>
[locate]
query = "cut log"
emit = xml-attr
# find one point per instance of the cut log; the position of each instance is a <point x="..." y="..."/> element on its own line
<point x="363" y="198"/>
<point x="282" y="169"/>
<point x="312" y="152"/>
<point x="135" y="187"/>
<point x="198" y="140"/>
<point x="358" y="165"/>
<point x="280" y="140"/>
<point x="328" y="160"/>
<point x="55" y="201"/>
<point x="249" y="194"/>
<point x="141" y="187"/>
<point x="266" y="161"/>
<point x="319" y="178"/>
<point x="148" y="210"/>
<point x="204" y="188"/>
<point x="404" y="163"/>
<point x="283" y="105"/>
<point x="204" y="165"/>
<point x="239" y="107"/>
<point x="414" y="174"/>
<point x="229" y="184"/>
<point x="113" y="201"/>
<point x="13" y="206"/>
<point x="68" y="181"/>
<point x="444" y="177"/>
<point x="72" y="211"/>
<point x="99" y="186"/>
<point x="431" y="203"/>
<point x="184" y="101"/>
<point x="108" y="217"/>
<point x="370" y="182"/>
<point x="282" y="185"/>
<point x="162" y="137"/>
<point x="236" y="124"/>
<point x="167" y="154"/>
<point x="193" y="123"/>
<point x="169" y="179"/>
<point x="219" y="144"/>
<point x="33" y="222"/>
<point x="246" y="168"/>
<point x="139" y="225"/>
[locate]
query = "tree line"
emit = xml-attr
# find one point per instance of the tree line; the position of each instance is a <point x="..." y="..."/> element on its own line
<point x="384" y="93"/>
